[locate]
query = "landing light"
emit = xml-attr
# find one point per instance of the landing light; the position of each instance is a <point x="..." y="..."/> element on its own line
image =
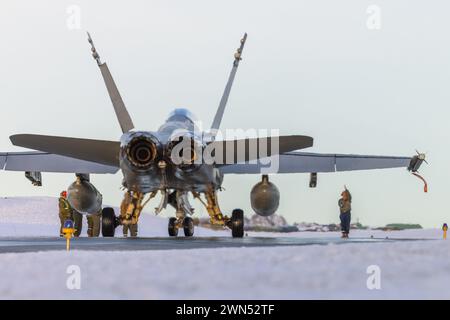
<point x="162" y="164"/>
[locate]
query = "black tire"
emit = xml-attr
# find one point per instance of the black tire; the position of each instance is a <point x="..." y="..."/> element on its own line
<point x="188" y="226"/>
<point x="108" y="222"/>
<point x="237" y="223"/>
<point x="173" y="230"/>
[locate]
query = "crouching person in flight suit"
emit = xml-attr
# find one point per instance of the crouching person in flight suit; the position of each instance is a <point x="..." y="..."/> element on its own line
<point x="345" y="206"/>
<point x="65" y="210"/>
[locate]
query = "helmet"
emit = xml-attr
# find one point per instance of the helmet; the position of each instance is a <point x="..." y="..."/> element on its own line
<point x="63" y="194"/>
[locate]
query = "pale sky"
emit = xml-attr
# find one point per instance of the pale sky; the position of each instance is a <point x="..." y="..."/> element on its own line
<point x="309" y="67"/>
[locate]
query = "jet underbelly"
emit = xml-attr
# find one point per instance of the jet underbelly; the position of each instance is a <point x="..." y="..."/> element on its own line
<point x="200" y="180"/>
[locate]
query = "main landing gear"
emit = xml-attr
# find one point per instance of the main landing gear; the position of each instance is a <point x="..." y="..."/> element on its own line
<point x="109" y="222"/>
<point x="130" y="210"/>
<point x="133" y="203"/>
<point x="235" y="223"/>
<point x="184" y="210"/>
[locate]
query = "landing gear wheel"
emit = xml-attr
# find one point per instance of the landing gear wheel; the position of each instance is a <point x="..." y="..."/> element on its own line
<point x="108" y="222"/>
<point x="188" y="226"/>
<point x="173" y="229"/>
<point x="237" y="223"/>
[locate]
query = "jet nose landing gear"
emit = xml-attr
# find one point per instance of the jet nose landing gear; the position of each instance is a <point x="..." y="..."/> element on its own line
<point x="173" y="227"/>
<point x="235" y="223"/>
<point x="188" y="226"/>
<point x="187" y="223"/>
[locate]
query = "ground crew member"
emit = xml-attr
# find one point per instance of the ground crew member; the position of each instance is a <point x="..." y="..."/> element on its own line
<point x="93" y="224"/>
<point x="65" y="210"/>
<point x="445" y="228"/>
<point x="345" y="207"/>
<point x="93" y="221"/>
<point x="78" y="222"/>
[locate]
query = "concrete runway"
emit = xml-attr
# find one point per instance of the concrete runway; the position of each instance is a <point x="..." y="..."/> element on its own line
<point x="35" y="244"/>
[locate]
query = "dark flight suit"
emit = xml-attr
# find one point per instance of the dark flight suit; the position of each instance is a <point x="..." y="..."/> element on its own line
<point x="78" y="222"/>
<point x="345" y="216"/>
<point x="65" y="212"/>
<point x="93" y="225"/>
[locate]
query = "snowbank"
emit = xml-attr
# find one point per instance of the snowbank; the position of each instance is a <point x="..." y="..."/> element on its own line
<point x="38" y="216"/>
<point x="29" y="210"/>
<point x="409" y="270"/>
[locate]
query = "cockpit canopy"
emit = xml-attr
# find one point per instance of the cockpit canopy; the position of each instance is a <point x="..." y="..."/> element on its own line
<point x="182" y="114"/>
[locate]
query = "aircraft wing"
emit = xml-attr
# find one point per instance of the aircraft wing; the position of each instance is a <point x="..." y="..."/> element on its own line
<point x="2" y="160"/>
<point x="47" y="162"/>
<point x="302" y="162"/>
<point x="98" y="151"/>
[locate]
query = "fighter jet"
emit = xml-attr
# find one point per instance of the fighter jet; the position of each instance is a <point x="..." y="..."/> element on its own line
<point x="179" y="159"/>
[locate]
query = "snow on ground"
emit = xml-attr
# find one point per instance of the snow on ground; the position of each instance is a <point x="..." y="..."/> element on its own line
<point x="409" y="269"/>
<point x="38" y="216"/>
<point x="29" y="210"/>
<point x="403" y="234"/>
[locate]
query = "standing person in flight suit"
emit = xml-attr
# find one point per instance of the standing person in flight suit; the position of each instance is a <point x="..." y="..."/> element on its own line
<point x="65" y="210"/>
<point x="345" y="207"/>
<point x="93" y="221"/>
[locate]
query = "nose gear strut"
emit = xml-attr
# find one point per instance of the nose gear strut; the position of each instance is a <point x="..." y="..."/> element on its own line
<point x="184" y="210"/>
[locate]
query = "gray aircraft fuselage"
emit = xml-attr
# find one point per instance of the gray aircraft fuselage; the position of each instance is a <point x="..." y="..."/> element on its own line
<point x="156" y="171"/>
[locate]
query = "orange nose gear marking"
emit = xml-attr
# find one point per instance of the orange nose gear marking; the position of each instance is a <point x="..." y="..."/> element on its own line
<point x="425" y="185"/>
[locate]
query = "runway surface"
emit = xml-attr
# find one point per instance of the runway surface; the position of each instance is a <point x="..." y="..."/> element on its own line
<point x="35" y="244"/>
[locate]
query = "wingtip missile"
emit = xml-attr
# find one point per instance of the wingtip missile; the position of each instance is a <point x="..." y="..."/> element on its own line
<point x="238" y="54"/>
<point x="244" y="38"/>
<point x="95" y="54"/>
<point x="421" y="156"/>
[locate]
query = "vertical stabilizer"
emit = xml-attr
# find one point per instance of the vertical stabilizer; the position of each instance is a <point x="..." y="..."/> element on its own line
<point x="223" y="102"/>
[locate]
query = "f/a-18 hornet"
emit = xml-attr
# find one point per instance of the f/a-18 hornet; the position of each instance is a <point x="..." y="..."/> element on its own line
<point x="178" y="160"/>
